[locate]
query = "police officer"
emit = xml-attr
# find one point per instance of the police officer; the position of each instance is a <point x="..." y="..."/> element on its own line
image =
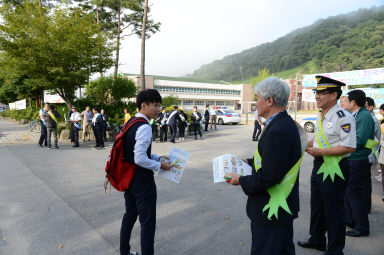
<point x="356" y="197"/>
<point x="97" y="124"/>
<point x="335" y="139"/>
<point x="43" y="124"/>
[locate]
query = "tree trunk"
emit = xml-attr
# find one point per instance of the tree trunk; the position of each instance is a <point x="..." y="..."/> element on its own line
<point x="117" y="41"/>
<point x="98" y="22"/>
<point x="142" y="69"/>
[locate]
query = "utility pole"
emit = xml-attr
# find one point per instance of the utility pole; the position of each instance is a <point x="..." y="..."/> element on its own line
<point x="142" y="71"/>
<point x="297" y="85"/>
<point x="241" y="73"/>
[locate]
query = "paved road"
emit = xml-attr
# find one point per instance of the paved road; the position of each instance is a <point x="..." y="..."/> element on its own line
<point x="53" y="202"/>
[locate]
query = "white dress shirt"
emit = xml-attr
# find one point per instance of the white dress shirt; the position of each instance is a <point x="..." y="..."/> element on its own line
<point x="143" y="141"/>
<point x="75" y="116"/>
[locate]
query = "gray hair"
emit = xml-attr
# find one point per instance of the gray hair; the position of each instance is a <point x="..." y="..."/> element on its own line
<point x="275" y="88"/>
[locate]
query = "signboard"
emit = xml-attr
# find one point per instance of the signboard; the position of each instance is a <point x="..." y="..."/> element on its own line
<point x="358" y="77"/>
<point x="18" y="105"/>
<point x="375" y="94"/>
<point x="308" y="96"/>
<point x="52" y="99"/>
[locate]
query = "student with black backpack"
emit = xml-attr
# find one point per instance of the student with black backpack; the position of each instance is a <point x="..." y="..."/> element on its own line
<point x="140" y="197"/>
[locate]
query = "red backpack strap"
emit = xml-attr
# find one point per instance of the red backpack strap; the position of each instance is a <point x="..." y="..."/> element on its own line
<point x="129" y="124"/>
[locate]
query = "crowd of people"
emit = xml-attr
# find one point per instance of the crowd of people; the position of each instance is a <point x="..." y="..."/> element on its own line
<point x="88" y="121"/>
<point x="94" y="122"/>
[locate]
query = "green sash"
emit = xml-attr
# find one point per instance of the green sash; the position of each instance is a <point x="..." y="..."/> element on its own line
<point x="370" y="144"/>
<point x="331" y="163"/>
<point x="279" y="192"/>
<point x="52" y="116"/>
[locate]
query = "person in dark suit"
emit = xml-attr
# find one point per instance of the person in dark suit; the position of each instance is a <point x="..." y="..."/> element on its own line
<point x="182" y="124"/>
<point x="275" y="166"/>
<point x="97" y="125"/>
<point x="172" y="121"/>
<point x="196" y="118"/>
<point x="206" y="118"/>
<point x="161" y="120"/>
<point x="105" y="124"/>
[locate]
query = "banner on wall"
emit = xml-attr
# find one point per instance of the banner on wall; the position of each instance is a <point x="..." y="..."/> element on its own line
<point x="308" y="96"/>
<point x="18" y="105"/>
<point x="357" y="77"/>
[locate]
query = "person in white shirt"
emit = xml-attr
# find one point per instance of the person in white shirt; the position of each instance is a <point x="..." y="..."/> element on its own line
<point x="140" y="197"/>
<point x="43" y="124"/>
<point x="75" y="121"/>
<point x="212" y="117"/>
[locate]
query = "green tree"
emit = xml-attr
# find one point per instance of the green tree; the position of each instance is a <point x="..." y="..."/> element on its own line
<point x="170" y="100"/>
<point x="55" y="50"/>
<point x="109" y="90"/>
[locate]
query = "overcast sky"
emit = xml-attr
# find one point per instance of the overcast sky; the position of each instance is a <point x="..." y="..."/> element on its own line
<point x="197" y="32"/>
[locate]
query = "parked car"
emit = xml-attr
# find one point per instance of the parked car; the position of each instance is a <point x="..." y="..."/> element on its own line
<point x="225" y="116"/>
<point x="308" y="124"/>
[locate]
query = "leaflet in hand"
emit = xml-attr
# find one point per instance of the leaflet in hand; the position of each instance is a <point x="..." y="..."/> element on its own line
<point x="178" y="162"/>
<point x="229" y="163"/>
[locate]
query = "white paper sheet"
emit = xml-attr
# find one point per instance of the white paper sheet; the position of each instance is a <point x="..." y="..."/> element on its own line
<point x="229" y="163"/>
<point x="179" y="160"/>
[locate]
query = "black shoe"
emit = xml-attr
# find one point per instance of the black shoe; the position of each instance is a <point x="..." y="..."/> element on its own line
<point x="356" y="233"/>
<point x="254" y="139"/>
<point x="96" y="146"/>
<point x="310" y="245"/>
<point x="172" y="141"/>
<point x="56" y="147"/>
<point x="102" y="146"/>
<point x="49" y="147"/>
<point x="40" y="145"/>
<point x="76" y="145"/>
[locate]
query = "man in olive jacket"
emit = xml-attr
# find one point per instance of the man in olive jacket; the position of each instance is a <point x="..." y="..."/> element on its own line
<point x="356" y="210"/>
<point x="280" y="150"/>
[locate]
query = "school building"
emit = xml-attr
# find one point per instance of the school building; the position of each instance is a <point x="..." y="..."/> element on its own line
<point x="191" y="92"/>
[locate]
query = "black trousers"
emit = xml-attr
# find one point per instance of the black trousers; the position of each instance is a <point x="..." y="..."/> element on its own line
<point x="43" y="134"/>
<point x="104" y="133"/>
<point x="75" y="134"/>
<point x="154" y="132"/>
<point x="182" y="130"/>
<point x="206" y="119"/>
<point x="172" y="129"/>
<point x="196" y="129"/>
<point x="98" y="132"/>
<point x="327" y="208"/>
<point x="140" y="200"/>
<point x="355" y="197"/>
<point x="256" y="130"/>
<point x="163" y="133"/>
<point x="272" y="241"/>
<point x="368" y="190"/>
<point x="71" y="135"/>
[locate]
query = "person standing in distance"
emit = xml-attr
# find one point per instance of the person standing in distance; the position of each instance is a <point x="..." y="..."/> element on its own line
<point x="127" y="116"/>
<point x="97" y="125"/>
<point x="172" y="121"/>
<point x="140" y="197"/>
<point x="75" y="120"/>
<point x="43" y="125"/>
<point x="105" y="124"/>
<point x="356" y="209"/>
<point x="343" y="102"/>
<point x="257" y="128"/>
<point x="275" y="166"/>
<point x="213" y="117"/>
<point x="206" y="118"/>
<point x="87" y="123"/>
<point x="51" y="116"/>
<point x="162" y="121"/>
<point x="196" y="118"/>
<point x="335" y="139"/>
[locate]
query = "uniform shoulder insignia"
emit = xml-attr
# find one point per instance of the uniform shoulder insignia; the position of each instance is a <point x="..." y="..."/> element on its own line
<point x="340" y="114"/>
<point x="346" y="127"/>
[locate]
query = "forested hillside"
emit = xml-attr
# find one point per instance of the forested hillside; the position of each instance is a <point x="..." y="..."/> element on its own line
<point x="340" y="43"/>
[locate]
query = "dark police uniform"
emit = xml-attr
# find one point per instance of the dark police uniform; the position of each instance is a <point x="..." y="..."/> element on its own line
<point x="163" y="126"/>
<point x="97" y="124"/>
<point x="327" y="196"/>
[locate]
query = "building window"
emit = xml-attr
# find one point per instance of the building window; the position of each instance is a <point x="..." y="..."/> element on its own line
<point x="188" y="102"/>
<point x="211" y="103"/>
<point x="199" y="102"/>
<point x="230" y="103"/>
<point x="197" y="90"/>
<point x="220" y="103"/>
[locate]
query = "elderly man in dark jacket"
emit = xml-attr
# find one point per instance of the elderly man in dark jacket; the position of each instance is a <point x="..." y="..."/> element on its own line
<point x="51" y="118"/>
<point x="273" y="187"/>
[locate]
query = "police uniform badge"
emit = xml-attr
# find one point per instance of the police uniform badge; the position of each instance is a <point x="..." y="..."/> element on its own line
<point x="346" y="127"/>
